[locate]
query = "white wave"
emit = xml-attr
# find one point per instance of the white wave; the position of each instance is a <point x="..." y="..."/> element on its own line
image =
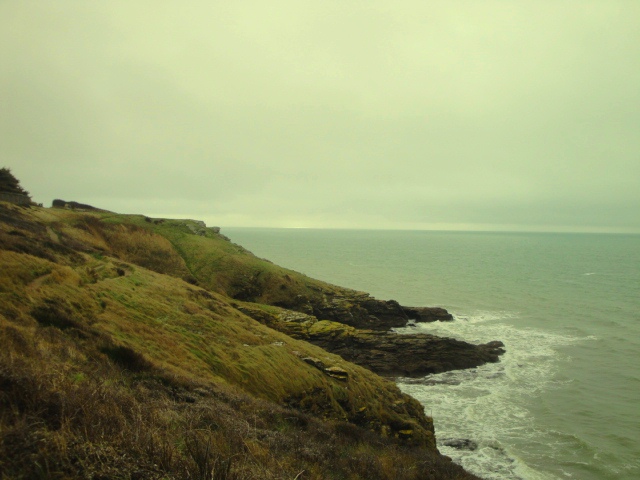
<point x="491" y="404"/>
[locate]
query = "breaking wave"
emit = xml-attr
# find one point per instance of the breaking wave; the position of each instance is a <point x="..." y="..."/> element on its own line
<point x="490" y="406"/>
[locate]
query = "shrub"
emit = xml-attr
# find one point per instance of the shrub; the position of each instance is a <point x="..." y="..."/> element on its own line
<point x="54" y="312"/>
<point x="9" y="183"/>
<point x="127" y="358"/>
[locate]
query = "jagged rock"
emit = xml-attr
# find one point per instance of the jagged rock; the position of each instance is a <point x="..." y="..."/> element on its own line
<point x="290" y="316"/>
<point x="496" y="347"/>
<point x="427" y="314"/>
<point x="392" y="354"/>
<point x="337" y="372"/>
<point x="350" y="307"/>
<point x="460" y="443"/>
<point x="387" y="313"/>
<point x="386" y="353"/>
<point x="365" y="312"/>
<point x="314" y="362"/>
<point x="334" y="372"/>
<point x="197" y="227"/>
<point x="362" y="311"/>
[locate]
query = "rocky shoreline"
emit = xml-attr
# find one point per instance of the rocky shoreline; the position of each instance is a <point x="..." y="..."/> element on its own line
<point x="360" y="330"/>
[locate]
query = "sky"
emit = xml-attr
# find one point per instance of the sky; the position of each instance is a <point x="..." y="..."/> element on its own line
<point x="480" y="115"/>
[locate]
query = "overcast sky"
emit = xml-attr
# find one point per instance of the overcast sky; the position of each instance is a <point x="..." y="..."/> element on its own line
<point x="359" y="114"/>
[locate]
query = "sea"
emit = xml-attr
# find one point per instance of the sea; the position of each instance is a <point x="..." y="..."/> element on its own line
<point x="564" y="400"/>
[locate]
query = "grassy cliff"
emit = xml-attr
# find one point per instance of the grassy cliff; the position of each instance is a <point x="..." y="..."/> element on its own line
<point x="124" y="356"/>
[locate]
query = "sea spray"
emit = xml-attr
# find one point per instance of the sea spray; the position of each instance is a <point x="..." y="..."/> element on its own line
<point x="490" y="405"/>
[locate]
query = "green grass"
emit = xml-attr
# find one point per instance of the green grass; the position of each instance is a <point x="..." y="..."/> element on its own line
<point x="112" y="369"/>
<point x="223" y="266"/>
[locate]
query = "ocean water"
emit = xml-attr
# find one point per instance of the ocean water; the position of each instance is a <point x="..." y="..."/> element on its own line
<point x="564" y="401"/>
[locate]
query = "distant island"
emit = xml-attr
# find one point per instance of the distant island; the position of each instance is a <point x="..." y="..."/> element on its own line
<point x="137" y="347"/>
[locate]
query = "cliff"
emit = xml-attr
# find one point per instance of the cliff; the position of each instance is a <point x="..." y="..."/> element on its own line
<point x="131" y="349"/>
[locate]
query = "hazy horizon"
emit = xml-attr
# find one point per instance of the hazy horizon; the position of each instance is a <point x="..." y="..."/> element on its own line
<point x="455" y="229"/>
<point x="412" y="115"/>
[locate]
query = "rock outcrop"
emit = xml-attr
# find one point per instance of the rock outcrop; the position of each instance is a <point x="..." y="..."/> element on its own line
<point x="460" y="444"/>
<point x="427" y="314"/>
<point x="360" y="310"/>
<point x="400" y="355"/>
<point x="384" y="352"/>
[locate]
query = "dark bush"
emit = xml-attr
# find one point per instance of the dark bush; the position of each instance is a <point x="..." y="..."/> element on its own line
<point x="55" y="313"/>
<point x="127" y="358"/>
<point x="9" y="183"/>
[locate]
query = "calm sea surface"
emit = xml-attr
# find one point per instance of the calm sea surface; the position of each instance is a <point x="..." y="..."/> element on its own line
<point x="564" y="402"/>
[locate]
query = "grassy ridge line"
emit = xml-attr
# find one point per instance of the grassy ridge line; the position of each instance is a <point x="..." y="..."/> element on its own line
<point x="223" y="266"/>
<point x="83" y="317"/>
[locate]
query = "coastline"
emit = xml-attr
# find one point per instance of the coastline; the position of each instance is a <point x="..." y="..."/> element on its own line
<point x="569" y="337"/>
<point x="167" y="309"/>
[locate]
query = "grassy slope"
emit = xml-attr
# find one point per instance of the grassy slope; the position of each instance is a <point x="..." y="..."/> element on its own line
<point x="109" y="368"/>
<point x="222" y="266"/>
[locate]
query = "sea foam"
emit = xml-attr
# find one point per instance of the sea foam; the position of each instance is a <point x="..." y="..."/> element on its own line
<point x="489" y="404"/>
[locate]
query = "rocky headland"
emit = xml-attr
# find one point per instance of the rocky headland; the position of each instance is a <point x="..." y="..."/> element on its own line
<point x="379" y="349"/>
<point x="156" y="348"/>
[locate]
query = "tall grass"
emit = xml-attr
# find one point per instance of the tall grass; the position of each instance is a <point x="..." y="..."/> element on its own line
<point x="70" y="413"/>
<point x="110" y="370"/>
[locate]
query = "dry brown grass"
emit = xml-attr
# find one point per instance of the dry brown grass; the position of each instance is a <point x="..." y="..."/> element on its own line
<point x="68" y="411"/>
<point x="130" y="243"/>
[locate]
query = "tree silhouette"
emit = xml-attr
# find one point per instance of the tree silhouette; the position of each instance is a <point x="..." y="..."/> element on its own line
<point x="9" y="183"/>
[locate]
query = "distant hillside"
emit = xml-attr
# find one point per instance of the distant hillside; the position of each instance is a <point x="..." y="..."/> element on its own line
<point x="57" y="203"/>
<point x="126" y="354"/>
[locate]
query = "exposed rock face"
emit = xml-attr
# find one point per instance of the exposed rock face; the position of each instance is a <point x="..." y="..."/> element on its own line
<point x="315" y="362"/>
<point x="333" y="371"/>
<point x="460" y="443"/>
<point x="384" y="352"/>
<point x="392" y="354"/>
<point x="337" y="372"/>
<point x="427" y="314"/>
<point x="363" y="311"/>
<point x="359" y="327"/>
